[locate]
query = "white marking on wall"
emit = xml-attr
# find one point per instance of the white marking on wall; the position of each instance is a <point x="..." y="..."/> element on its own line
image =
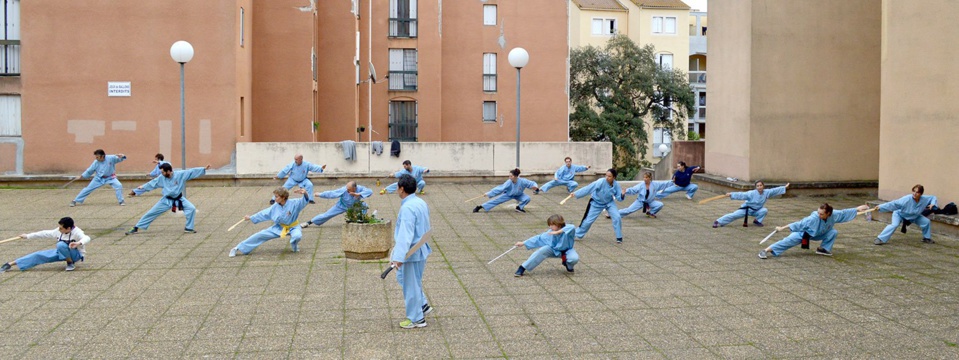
<point x="125" y="125"/>
<point x="502" y="34"/>
<point x="166" y="138"/>
<point x="86" y="130"/>
<point x="206" y="136"/>
<point x="439" y="18"/>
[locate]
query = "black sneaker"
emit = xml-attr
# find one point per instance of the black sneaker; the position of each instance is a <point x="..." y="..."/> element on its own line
<point x="569" y="267"/>
<point x="427" y="309"/>
<point x="757" y="223"/>
<point x="519" y="272"/>
<point x="536" y="192"/>
<point x="518" y="209"/>
<point x="822" y="251"/>
<point x="477" y="209"/>
<point x="928" y="241"/>
<point x="619" y="240"/>
<point x="272" y="202"/>
<point x="189" y="231"/>
<point x="132" y="231"/>
<point x="4" y="268"/>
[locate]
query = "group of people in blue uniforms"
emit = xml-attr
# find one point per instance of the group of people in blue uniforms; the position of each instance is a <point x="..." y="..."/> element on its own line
<point x="412" y="223"/>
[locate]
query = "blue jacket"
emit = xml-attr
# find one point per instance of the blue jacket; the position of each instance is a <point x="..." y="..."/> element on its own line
<point x="512" y="189"/>
<point x="559" y="243"/>
<point x="104" y="169"/>
<point x="299" y="172"/>
<point x="755" y="200"/>
<point x="681" y="178"/>
<point x="347" y="200"/>
<point x="281" y="215"/>
<point x="412" y="222"/>
<point x="814" y="226"/>
<point x="566" y="173"/>
<point x="602" y="192"/>
<point x="909" y="209"/>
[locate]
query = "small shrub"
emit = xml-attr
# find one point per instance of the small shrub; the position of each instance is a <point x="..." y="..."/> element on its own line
<point x="357" y="214"/>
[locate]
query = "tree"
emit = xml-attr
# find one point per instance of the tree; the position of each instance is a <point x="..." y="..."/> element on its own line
<point x="616" y="90"/>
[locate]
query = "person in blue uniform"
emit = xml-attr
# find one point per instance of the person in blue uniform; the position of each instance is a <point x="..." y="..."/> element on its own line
<point x="283" y="213"/>
<point x="512" y="189"/>
<point x="556" y="243"/>
<point x="818" y="226"/>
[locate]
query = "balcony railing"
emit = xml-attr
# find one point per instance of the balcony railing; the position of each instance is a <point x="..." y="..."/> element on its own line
<point x="9" y="57"/>
<point x="403" y="80"/>
<point x="402" y="27"/>
<point x="489" y="82"/>
<point x="697" y="77"/>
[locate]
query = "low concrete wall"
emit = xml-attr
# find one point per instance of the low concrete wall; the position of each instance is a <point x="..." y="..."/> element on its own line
<point x="443" y="159"/>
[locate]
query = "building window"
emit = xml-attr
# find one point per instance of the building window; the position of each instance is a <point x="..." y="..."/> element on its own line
<point x="489" y="14"/>
<point x="604" y="26"/>
<point x="403" y="18"/>
<point x="10" y="40"/>
<point x="665" y="61"/>
<point x="489" y="72"/>
<point x="489" y="111"/>
<point x="10" y="115"/>
<point x="664" y="25"/>
<point x="403" y="69"/>
<point x="403" y="120"/>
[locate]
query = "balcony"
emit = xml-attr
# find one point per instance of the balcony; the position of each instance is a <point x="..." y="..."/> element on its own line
<point x="9" y="57"/>
<point x="697" y="77"/>
<point x="402" y="28"/>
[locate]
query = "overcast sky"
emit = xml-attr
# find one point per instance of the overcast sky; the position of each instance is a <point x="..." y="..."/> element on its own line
<point x="696" y="4"/>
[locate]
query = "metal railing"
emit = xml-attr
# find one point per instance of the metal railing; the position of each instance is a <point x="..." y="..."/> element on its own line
<point x="403" y="80"/>
<point x="697" y="77"/>
<point x="9" y="57"/>
<point x="489" y="82"/>
<point x="402" y="27"/>
<point x="404" y="131"/>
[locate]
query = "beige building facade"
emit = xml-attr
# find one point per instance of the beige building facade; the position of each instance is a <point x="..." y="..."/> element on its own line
<point x="82" y="75"/>
<point x="660" y="23"/>
<point x="793" y="100"/>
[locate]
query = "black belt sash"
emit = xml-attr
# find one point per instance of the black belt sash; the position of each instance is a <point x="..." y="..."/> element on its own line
<point x="177" y="201"/>
<point x="746" y="218"/>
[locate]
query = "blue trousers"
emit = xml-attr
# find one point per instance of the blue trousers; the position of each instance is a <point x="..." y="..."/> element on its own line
<point x="796" y="238"/>
<point x="738" y="214"/>
<point x="270" y="233"/>
<point x="920" y="220"/>
<point x="306" y="184"/>
<point x="164" y="205"/>
<point x="522" y="200"/>
<point x="391" y="188"/>
<point x="329" y="214"/>
<point x="593" y="213"/>
<point x="570" y="185"/>
<point x="547" y="252"/>
<point x="689" y="189"/>
<point x="61" y="253"/>
<point x="654" y="207"/>
<point x="410" y="278"/>
<point x="96" y="183"/>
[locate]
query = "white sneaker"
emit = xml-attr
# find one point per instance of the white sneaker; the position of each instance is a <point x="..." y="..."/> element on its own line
<point x="233" y="252"/>
<point x="305" y="225"/>
<point x="70" y="267"/>
<point x="689" y="197"/>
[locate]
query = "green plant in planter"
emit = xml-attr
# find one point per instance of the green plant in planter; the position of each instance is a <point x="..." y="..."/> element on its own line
<point x="357" y="214"/>
<point x="693" y="136"/>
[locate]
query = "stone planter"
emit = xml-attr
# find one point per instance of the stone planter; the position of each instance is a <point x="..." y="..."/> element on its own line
<point x="367" y="241"/>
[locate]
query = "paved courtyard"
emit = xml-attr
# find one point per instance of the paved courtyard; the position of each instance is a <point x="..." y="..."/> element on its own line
<point x="676" y="288"/>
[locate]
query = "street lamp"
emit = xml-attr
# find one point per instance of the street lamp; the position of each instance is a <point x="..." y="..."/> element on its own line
<point x="182" y="52"/>
<point x="518" y="57"/>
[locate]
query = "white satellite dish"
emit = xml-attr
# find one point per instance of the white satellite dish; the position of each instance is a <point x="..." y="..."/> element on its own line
<point x="372" y="73"/>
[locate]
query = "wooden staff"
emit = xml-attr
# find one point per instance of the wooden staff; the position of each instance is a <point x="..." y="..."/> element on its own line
<point x="501" y="255"/>
<point x="769" y="236"/>
<point x="476" y="198"/>
<point x="10" y="239"/>
<point x="867" y="211"/>
<point x="717" y="197"/>
<point x="235" y="225"/>
<point x="567" y="198"/>
<point x="69" y="182"/>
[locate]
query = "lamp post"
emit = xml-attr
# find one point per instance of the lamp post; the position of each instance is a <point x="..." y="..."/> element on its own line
<point x="518" y="57"/>
<point x="182" y="52"/>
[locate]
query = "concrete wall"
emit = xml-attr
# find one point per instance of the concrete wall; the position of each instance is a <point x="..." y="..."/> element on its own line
<point x="441" y="158"/>
<point x="920" y="114"/>
<point x="730" y="88"/>
<point x="812" y="91"/>
<point x="281" y="39"/>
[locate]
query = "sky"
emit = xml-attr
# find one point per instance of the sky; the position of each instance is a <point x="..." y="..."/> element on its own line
<point x="696" y="4"/>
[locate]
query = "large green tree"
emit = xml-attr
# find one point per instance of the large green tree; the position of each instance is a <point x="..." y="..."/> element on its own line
<point x="616" y="90"/>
